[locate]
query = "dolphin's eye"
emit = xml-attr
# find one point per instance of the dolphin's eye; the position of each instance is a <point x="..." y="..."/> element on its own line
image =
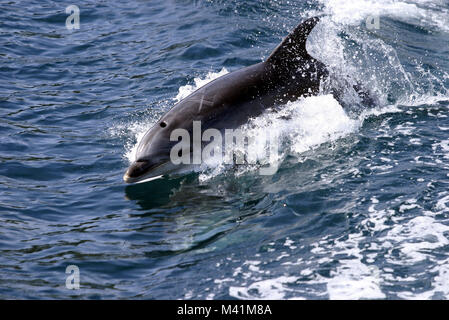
<point x="163" y="124"/>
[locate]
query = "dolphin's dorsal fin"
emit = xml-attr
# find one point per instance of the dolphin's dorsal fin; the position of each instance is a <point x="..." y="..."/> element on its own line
<point x="293" y="48"/>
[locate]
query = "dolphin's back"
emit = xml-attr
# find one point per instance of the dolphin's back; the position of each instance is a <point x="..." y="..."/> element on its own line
<point x="234" y="93"/>
<point x="228" y="101"/>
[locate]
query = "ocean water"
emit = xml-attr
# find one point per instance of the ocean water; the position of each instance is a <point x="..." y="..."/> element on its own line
<point x="359" y="208"/>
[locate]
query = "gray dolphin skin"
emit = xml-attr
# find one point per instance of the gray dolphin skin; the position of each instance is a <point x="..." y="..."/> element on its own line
<point x="231" y="100"/>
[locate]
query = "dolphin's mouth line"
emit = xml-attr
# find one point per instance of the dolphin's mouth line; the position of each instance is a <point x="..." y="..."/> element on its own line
<point x="144" y="176"/>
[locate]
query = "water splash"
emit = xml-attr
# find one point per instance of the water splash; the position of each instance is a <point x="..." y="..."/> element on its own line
<point x="419" y="12"/>
<point x="354" y="58"/>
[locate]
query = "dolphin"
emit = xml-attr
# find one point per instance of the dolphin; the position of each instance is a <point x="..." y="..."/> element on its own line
<point x="231" y="100"/>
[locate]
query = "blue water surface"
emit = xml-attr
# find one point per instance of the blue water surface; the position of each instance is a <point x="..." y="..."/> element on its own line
<point x="358" y="216"/>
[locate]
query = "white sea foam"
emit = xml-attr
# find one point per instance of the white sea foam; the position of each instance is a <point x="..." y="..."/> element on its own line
<point x="199" y="82"/>
<point x="133" y="132"/>
<point x="298" y="126"/>
<point x="371" y="60"/>
<point x="138" y="130"/>
<point x="408" y="241"/>
<point x="270" y="289"/>
<point x="355" y="280"/>
<point x="420" y="12"/>
<point x="414" y="241"/>
<point x="312" y="121"/>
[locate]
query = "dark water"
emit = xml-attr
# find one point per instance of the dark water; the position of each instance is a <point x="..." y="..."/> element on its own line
<point x="358" y="209"/>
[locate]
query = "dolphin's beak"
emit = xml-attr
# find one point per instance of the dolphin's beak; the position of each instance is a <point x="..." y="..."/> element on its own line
<point x="138" y="170"/>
